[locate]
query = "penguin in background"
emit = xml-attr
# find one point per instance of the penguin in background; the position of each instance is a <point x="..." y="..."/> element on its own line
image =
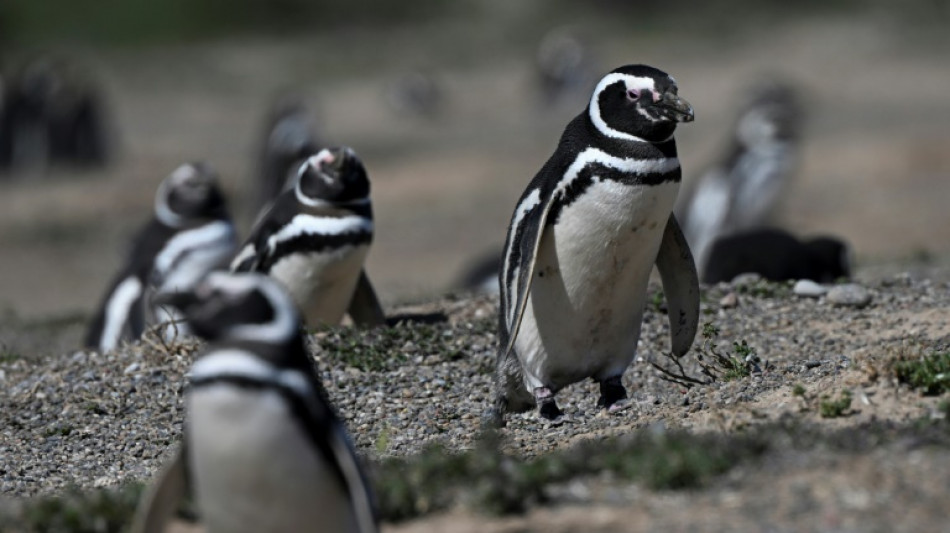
<point x="741" y="191"/>
<point x="582" y="241"/>
<point x="564" y="66"/>
<point x="314" y="240"/>
<point x="190" y="234"/>
<point x="289" y="139"/>
<point x="263" y="449"/>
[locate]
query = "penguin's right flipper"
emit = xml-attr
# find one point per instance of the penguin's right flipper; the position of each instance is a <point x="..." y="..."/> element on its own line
<point x="365" y="309"/>
<point x="681" y="286"/>
<point x="161" y="500"/>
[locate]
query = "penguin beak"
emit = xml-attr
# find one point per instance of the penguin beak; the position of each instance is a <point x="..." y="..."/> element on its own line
<point x="676" y="108"/>
<point x="179" y="300"/>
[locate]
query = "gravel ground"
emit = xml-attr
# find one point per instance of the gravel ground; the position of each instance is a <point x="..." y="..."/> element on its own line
<point x="97" y="420"/>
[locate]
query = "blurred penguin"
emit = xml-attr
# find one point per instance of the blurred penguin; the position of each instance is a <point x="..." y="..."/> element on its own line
<point x="263" y="449"/>
<point x="289" y="138"/>
<point x="190" y="235"/>
<point x="564" y="66"/>
<point x="777" y="255"/>
<point x="52" y="114"/>
<point x="742" y="190"/>
<point x="417" y="93"/>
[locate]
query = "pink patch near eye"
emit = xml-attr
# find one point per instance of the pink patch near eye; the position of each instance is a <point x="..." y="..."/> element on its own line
<point x="633" y="94"/>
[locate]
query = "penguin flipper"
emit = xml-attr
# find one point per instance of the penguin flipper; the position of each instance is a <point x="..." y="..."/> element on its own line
<point x="245" y="260"/>
<point x="365" y="309"/>
<point x="521" y="254"/>
<point x="162" y="498"/>
<point x="681" y="286"/>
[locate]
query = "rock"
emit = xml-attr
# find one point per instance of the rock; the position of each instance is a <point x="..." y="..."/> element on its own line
<point x="809" y="289"/>
<point x="849" y="295"/>
<point x="729" y="301"/>
<point x="749" y="278"/>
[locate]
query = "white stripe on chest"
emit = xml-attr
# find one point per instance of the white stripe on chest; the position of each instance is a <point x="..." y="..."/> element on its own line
<point x="586" y="302"/>
<point x="191" y="254"/>
<point x="304" y="224"/>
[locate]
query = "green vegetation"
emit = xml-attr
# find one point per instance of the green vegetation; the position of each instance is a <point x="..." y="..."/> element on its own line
<point x="798" y="390"/>
<point x="77" y="511"/>
<point x="499" y="484"/>
<point x="829" y="408"/>
<point x="714" y="365"/>
<point x="928" y="372"/>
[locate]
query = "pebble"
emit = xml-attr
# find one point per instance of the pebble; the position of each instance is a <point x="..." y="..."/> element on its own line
<point x="849" y="295"/>
<point x="809" y="289"/>
<point x="729" y="301"/>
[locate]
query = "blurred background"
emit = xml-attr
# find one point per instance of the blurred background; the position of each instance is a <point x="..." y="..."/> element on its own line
<point x="453" y="107"/>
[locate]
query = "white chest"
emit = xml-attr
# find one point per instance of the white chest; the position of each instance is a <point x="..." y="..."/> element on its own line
<point x="587" y="297"/>
<point x="322" y="283"/>
<point x="255" y="469"/>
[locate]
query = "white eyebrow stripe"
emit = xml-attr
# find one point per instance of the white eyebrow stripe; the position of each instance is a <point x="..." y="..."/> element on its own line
<point x="631" y="82"/>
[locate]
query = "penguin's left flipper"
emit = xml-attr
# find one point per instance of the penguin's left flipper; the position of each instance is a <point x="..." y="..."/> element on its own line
<point x="161" y="500"/>
<point x="681" y="286"/>
<point x="365" y="309"/>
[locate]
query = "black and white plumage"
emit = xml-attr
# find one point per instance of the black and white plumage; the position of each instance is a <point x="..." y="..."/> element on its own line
<point x="583" y="240"/>
<point x="741" y="191"/>
<point x="778" y="256"/>
<point x="314" y="240"/>
<point x="191" y="234"/>
<point x="263" y="449"/>
<point x="289" y="139"/>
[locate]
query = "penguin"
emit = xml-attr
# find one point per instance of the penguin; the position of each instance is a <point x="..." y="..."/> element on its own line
<point x="563" y="66"/>
<point x="777" y="255"/>
<point x="190" y="234"/>
<point x="741" y="191"/>
<point x="289" y="139"/>
<point x="263" y="449"/>
<point x="582" y="242"/>
<point x="314" y="240"/>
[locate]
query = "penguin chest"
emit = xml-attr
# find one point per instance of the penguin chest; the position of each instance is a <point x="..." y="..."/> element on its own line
<point x="322" y="283"/>
<point x="254" y="467"/>
<point x="590" y="278"/>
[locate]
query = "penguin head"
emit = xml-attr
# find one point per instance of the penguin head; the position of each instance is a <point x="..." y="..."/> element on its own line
<point x="334" y="176"/>
<point x="245" y="306"/>
<point x="190" y="192"/>
<point x="771" y="114"/>
<point x="638" y="103"/>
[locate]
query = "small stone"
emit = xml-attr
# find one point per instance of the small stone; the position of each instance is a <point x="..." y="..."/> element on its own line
<point x="809" y="289"/>
<point x="749" y="278"/>
<point x="850" y="295"/>
<point x="729" y="301"/>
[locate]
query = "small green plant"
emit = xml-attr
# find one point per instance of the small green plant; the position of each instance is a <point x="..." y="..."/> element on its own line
<point x="930" y="373"/>
<point x="713" y="364"/>
<point x="829" y="408"/>
<point x="658" y="301"/>
<point x="798" y="390"/>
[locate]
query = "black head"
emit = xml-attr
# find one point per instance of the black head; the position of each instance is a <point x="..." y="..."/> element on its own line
<point x="334" y="176"/>
<point x="831" y="258"/>
<point x="772" y="113"/>
<point x="228" y="306"/>
<point x="190" y="192"/>
<point x="638" y="103"/>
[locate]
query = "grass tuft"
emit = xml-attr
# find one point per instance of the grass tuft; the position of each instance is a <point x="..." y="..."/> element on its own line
<point x="928" y="372"/>
<point x="829" y="408"/>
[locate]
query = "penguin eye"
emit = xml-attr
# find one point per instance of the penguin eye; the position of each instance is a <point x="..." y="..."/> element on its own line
<point x="633" y="94"/>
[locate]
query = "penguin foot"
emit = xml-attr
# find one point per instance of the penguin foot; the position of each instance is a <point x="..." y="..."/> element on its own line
<point x="613" y="395"/>
<point x="547" y="407"/>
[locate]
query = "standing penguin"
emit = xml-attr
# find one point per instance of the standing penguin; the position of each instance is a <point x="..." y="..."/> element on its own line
<point x="315" y="238"/>
<point x="740" y="192"/>
<point x="582" y="243"/>
<point x="190" y="235"/>
<point x="262" y="448"/>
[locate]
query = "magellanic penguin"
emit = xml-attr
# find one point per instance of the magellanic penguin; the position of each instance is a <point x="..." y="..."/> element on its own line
<point x="741" y="191"/>
<point x="191" y="234"/>
<point x="315" y="238"/>
<point x="582" y="242"/>
<point x="262" y="449"/>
